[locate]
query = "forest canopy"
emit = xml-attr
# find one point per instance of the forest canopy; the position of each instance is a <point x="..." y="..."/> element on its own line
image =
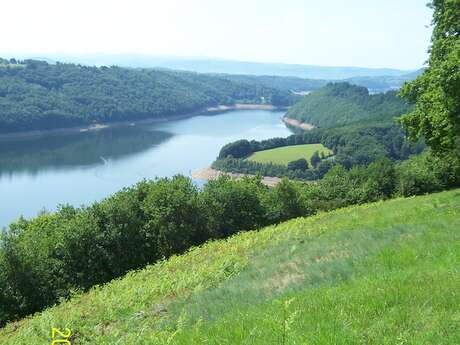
<point x="37" y="95"/>
<point x="342" y="104"/>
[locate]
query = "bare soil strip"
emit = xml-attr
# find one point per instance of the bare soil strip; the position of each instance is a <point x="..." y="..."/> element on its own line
<point x="297" y="123"/>
<point x="209" y="173"/>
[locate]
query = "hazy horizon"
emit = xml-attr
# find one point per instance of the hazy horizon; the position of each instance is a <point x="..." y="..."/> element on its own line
<point x="63" y="57"/>
<point x="381" y="34"/>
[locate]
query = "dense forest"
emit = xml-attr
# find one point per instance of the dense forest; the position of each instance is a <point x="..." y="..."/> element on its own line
<point x="37" y="95"/>
<point x="342" y="103"/>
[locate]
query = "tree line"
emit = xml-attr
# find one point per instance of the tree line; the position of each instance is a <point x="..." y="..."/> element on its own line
<point x="295" y="170"/>
<point x="37" y="95"/>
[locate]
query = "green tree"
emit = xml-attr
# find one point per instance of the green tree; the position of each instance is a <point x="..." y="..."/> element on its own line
<point x="435" y="93"/>
<point x="417" y="176"/>
<point x="174" y="218"/>
<point x="232" y="205"/>
<point x="237" y="149"/>
<point x="315" y="159"/>
<point x="381" y="180"/>
<point x="285" y="201"/>
<point x="299" y="164"/>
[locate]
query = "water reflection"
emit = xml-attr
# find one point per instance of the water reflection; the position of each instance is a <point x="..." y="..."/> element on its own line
<point x="77" y="150"/>
<point x="81" y="168"/>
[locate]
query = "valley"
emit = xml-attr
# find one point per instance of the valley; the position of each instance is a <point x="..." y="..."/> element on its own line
<point x="175" y="199"/>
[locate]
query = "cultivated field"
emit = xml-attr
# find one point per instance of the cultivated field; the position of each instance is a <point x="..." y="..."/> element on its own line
<point x="286" y="154"/>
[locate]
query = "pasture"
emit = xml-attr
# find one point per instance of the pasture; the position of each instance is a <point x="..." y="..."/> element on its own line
<point x="284" y="155"/>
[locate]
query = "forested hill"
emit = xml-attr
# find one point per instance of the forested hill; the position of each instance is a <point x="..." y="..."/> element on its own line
<point x="282" y="83"/>
<point x="37" y="95"/>
<point x="342" y="103"/>
<point x="374" y="83"/>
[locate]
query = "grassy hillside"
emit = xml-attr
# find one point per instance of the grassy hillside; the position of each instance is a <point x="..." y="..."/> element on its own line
<point x="384" y="273"/>
<point x="284" y="155"/>
<point x="342" y="103"/>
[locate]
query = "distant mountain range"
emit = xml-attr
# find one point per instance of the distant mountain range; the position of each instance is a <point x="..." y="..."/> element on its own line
<point x="214" y="65"/>
<point x="375" y="84"/>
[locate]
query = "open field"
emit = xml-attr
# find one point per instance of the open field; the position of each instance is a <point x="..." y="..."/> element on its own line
<point x="286" y="154"/>
<point x="382" y="273"/>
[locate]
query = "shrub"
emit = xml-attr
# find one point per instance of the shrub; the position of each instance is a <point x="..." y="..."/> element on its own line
<point x="174" y="220"/>
<point x="233" y="205"/>
<point x="237" y="149"/>
<point x="380" y="180"/>
<point x="299" y="164"/>
<point x="286" y="201"/>
<point x="428" y="173"/>
<point x="417" y="176"/>
<point x="315" y="159"/>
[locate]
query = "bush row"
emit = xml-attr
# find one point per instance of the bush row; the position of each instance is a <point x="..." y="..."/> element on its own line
<point x="54" y="255"/>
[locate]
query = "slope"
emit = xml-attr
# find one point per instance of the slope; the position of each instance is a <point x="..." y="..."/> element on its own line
<point x="339" y="104"/>
<point x="374" y="83"/>
<point x="382" y="273"/>
<point x="35" y="95"/>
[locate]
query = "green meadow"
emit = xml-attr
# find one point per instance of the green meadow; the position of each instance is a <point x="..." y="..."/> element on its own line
<point x="284" y="155"/>
<point x="381" y="273"/>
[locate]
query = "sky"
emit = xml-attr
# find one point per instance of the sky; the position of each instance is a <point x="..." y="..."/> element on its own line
<point x="366" y="33"/>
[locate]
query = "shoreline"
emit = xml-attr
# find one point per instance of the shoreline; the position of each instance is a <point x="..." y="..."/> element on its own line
<point x="103" y="125"/>
<point x="296" y="123"/>
<point x="243" y="106"/>
<point x="209" y="173"/>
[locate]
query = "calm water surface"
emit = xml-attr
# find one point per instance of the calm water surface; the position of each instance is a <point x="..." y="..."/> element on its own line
<point x="41" y="173"/>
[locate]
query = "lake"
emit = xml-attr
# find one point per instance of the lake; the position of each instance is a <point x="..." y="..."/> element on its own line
<point x="41" y="173"/>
